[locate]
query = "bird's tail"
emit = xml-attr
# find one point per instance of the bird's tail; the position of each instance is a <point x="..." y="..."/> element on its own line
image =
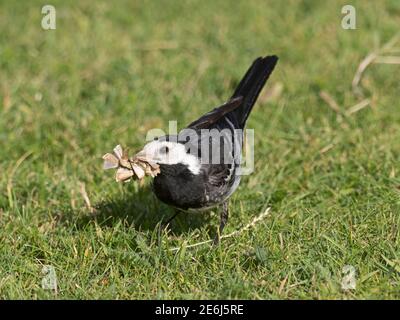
<point x="250" y="86"/>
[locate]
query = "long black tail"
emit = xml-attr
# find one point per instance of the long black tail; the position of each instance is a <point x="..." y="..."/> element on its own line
<point x="250" y="86"/>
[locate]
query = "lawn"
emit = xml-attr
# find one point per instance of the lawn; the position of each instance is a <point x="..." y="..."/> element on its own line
<point x="325" y="165"/>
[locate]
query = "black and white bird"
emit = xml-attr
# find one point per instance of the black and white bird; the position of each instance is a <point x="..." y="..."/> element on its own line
<point x="199" y="170"/>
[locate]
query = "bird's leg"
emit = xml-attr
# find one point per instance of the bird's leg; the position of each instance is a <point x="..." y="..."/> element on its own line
<point x="223" y="221"/>
<point x="165" y="224"/>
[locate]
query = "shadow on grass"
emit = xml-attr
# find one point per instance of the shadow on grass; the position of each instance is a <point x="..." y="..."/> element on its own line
<point x="141" y="210"/>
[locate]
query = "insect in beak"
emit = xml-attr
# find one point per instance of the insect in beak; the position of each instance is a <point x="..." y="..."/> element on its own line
<point x="141" y="154"/>
<point x="137" y="167"/>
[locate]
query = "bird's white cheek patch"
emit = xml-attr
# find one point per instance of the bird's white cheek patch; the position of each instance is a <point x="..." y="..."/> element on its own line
<point x="192" y="162"/>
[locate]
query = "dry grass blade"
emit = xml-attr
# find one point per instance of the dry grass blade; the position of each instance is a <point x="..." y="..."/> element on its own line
<point x="360" y="70"/>
<point x="326" y="97"/>
<point x="388" y="46"/>
<point x="11" y="176"/>
<point x="251" y="224"/>
<point x="6" y="101"/>
<point x="359" y="106"/>
<point x="82" y="190"/>
<point x="374" y="57"/>
<point x="388" y="60"/>
<point x="282" y="284"/>
<point x="326" y="148"/>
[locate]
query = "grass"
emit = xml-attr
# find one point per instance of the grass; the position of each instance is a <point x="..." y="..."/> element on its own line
<point x="113" y="70"/>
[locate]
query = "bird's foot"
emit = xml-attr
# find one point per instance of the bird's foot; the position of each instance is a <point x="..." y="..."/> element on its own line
<point x="223" y="220"/>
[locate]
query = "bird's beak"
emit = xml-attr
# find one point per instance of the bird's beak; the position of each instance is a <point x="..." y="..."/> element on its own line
<point x="141" y="154"/>
<point x="145" y="162"/>
<point x="145" y="156"/>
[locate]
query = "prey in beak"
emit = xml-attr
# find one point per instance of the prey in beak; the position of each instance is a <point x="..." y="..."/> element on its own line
<point x="128" y="168"/>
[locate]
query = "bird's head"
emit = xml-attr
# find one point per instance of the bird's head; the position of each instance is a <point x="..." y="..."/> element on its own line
<point x="165" y="152"/>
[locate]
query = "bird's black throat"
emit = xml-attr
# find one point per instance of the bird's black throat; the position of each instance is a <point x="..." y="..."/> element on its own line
<point x="176" y="185"/>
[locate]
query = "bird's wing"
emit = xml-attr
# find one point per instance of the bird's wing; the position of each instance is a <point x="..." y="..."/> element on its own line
<point x="219" y="175"/>
<point x="213" y="116"/>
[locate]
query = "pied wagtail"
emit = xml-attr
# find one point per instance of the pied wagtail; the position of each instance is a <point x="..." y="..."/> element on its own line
<point x="200" y="167"/>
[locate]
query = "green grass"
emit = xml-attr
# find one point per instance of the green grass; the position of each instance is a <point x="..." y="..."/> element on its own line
<point x="113" y="70"/>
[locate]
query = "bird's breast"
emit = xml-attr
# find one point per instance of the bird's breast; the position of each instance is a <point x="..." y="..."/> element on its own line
<point x="179" y="187"/>
<point x="176" y="185"/>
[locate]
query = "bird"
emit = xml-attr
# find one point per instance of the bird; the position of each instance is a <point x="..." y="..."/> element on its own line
<point x="200" y="165"/>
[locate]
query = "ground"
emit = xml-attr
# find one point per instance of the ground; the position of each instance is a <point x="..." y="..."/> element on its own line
<point x="113" y="70"/>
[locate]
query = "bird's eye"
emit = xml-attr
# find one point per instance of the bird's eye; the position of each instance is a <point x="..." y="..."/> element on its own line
<point x="164" y="150"/>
